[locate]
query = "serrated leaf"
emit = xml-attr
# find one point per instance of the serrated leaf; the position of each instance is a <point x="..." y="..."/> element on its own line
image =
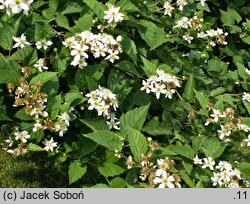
<point x="148" y="67"/>
<point x="6" y="34"/>
<point x="151" y="33"/>
<point x="22" y="115"/>
<point x="34" y="148"/>
<point x="100" y="185"/>
<point x="28" y="55"/>
<point x="117" y="182"/>
<point x="184" y="150"/>
<point x="97" y="7"/>
<point x="187" y="179"/>
<point x="214" y="149"/>
<point x="106" y="138"/>
<point x="95" y="125"/>
<point x="134" y="119"/>
<point x="127" y="6"/>
<point x="245" y="169"/>
<point x="129" y="48"/>
<point x="62" y="21"/>
<point x="109" y="169"/>
<point x="43" y="77"/>
<point x="155" y="128"/>
<point x="202" y="99"/>
<point x="10" y="76"/>
<point x="189" y="88"/>
<point x="137" y="143"/>
<point x="76" y="171"/>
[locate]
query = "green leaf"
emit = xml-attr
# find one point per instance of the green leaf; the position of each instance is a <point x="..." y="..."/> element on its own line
<point x="229" y="17"/>
<point x="245" y="169"/>
<point x="242" y="71"/>
<point x="10" y="76"/>
<point x="83" y="23"/>
<point x="97" y="7"/>
<point x="184" y="150"/>
<point x="117" y="182"/>
<point x="187" y="179"/>
<point x="202" y="99"/>
<point x="189" y="88"/>
<point x="149" y="67"/>
<point x="127" y="6"/>
<point x="84" y="146"/>
<point x="27" y="55"/>
<point x="137" y="143"/>
<point x="100" y="185"/>
<point x="95" y="125"/>
<point x="217" y="68"/>
<point x="217" y="91"/>
<point x="118" y="83"/>
<point x="22" y="115"/>
<point x="188" y="167"/>
<point x="34" y="148"/>
<point x="76" y="171"/>
<point x="6" y="34"/>
<point x="129" y="48"/>
<point x="43" y="30"/>
<point x="155" y="128"/>
<point x="246" y="40"/>
<point x="43" y="77"/>
<point x="109" y="169"/>
<point x="153" y="35"/>
<point x="214" y="149"/>
<point x="62" y="21"/>
<point x="134" y="119"/>
<point x="106" y="138"/>
<point x="127" y="66"/>
<point x="54" y="104"/>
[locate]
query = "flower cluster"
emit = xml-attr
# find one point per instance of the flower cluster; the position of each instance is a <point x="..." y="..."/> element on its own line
<point x="34" y="102"/>
<point x="15" y="6"/>
<point x="113" y="15"/>
<point x="163" y="177"/>
<point x="169" y="7"/>
<point x="159" y="173"/>
<point x="22" y="42"/>
<point x="214" y="37"/>
<point x="100" y="45"/>
<point x="19" y="137"/>
<point x="228" y="123"/>
<point x="161" y="83"/>
<point x="224" y="174"/>
<point x="104" y="101"/>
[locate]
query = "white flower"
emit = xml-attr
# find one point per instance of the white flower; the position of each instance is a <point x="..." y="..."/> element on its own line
<point x="49" y="144"/>
<point x="163" y="165"/>
<point x="184" y="22"/>
<point x="224" y="132"/>
<point x="43" y="44"/>
<point x="113" y="15"/>
<point x="113" y="122"/>
<point x="129" y="162"/>
<point x="164" y="181"/>
<point x="243" y="127"/>
<point x="208" y="163"/>
<point x="159" y="89"/>
<point x="224" y="165"/>
<point x="146" y="86"/>
<point x="181" y="4"/>
<point x="216" y="115"/>
<point x="246" y="97"/>
<point x="247" y="71"/>
<point x="217" y="179"/>
<point x="37" y="126"/>
<point x="202" y="2"/>
<point x="196" y="160"/>
<point x="20" y="41"/>
<point x="247" y="141"/>
<point x="40" y="65"/>
<point x="233" y="184"/>
<point x="23" y="136"/>
<point x="188" y="38"/>
<point x="168" y="8"/>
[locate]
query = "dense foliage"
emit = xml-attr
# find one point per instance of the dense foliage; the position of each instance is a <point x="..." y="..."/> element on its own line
<point x="129" y="93"/>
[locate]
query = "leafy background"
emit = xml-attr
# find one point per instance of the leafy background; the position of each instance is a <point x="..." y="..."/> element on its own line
<point x="150" y="42"/>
